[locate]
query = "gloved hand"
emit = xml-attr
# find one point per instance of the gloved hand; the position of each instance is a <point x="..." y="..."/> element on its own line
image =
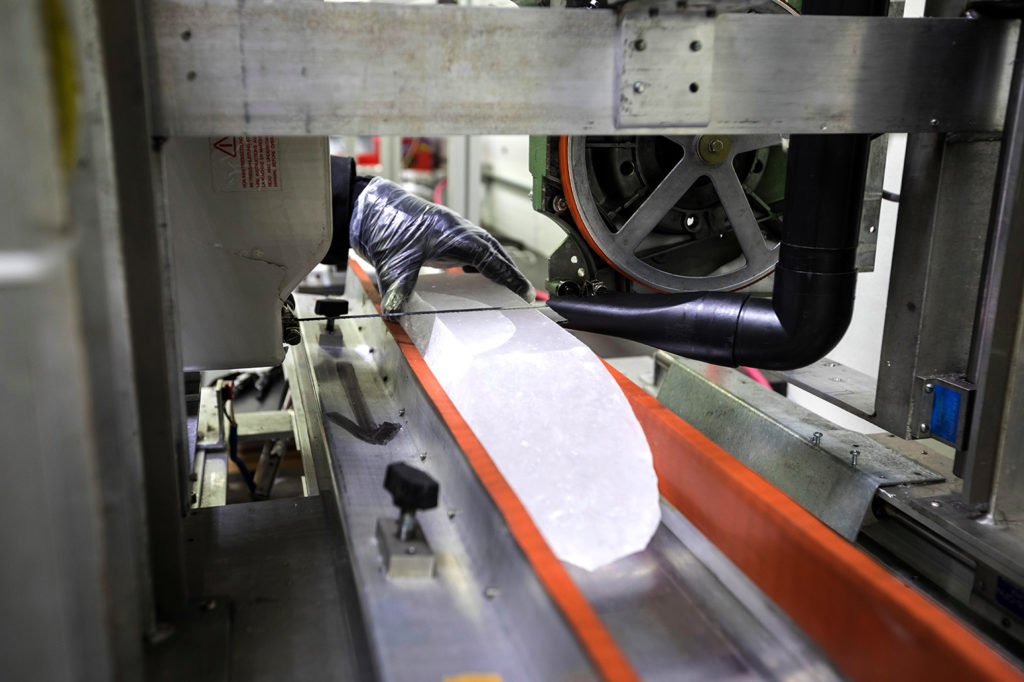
<point x="398" y="233"/>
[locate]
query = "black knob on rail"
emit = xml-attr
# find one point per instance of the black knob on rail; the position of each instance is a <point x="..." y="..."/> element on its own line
<point x="331" y="307"/>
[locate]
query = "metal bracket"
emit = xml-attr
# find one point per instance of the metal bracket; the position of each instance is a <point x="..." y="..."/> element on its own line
<point x="411" y="558"/>
<point x="665" y="69"/>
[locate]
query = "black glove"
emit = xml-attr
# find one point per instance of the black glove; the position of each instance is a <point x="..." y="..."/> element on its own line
<point x="398" y="232"/>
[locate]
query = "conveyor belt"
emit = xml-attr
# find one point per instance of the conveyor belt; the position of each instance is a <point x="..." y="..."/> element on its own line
<point x="678" y="610"/>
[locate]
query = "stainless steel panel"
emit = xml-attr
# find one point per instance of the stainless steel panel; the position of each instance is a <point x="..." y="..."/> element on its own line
<point x="55" y="620"/>
<point x="838" y="384"/>
<point x="996" y="346"/>
<point x="809" y="458"/>
<point x="872" y="206"/>
<point x="152" y="318"/>
<point x="945" y="202"/>
<point x="327" y="68"/>
<point x="646" y="45"/>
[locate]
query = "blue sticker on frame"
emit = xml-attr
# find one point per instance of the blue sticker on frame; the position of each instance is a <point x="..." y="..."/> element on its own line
<point x="945" y="413"/>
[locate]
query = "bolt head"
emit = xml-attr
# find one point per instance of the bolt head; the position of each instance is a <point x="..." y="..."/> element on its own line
<point x="640" y="45"/>
<point x="928" y="388"/>
<point x="639" y="87"/>
<point x="716" y="145"/>
<point x="924" y="428"/>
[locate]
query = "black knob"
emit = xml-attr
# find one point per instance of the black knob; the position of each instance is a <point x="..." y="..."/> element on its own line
<point x="331" y="307"/>
<point x="410" y="488"/>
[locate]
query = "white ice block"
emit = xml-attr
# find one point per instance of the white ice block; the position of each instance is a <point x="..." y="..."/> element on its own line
<point x="549" y="414"/>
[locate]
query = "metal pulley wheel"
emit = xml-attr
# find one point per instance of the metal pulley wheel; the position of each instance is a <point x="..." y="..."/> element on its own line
<point x="679" y="213"/>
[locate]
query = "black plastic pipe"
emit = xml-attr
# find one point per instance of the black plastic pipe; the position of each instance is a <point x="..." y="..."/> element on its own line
<point x="815" y="279"/>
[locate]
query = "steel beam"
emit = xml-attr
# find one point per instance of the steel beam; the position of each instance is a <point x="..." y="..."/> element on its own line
<point x="353" y="69"/>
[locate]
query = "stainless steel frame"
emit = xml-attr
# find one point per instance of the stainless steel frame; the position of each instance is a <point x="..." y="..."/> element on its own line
<point x="309" y="68"/>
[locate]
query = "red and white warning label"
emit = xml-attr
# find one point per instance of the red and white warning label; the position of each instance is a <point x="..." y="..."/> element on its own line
<point x="245" y="164"/>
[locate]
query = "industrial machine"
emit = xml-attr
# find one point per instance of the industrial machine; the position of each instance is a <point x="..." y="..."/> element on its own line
<point x="448" y="497"/>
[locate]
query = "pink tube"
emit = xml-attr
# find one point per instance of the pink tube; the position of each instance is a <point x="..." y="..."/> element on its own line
<point x="757" y="376"/>
<point x="439" y="191"/>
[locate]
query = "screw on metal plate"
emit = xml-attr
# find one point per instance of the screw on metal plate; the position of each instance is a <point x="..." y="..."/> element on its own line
<point x="928" y="388"/>
<point x="639" y="87"/>
<point x="451" y="513"/>
<point x="640" y="45"/>
<point x="558" y="204"/>
<point x="423" y="457"/>
<point x="401" y="412"/>
<point x="935" y="503"/>
<point x="816" y="438"/>
<point x="924" y="428"/>
<point x="854" y="454"/>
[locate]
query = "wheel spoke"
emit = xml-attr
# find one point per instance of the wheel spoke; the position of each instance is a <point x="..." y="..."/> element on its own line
<point x="748" y="143"/>
<point x="658" y="203"/>
<point x="741" y="216"/>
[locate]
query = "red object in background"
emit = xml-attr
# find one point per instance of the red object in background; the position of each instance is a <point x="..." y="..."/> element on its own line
<point x="370" y="158"/>
<point x="418" y="153"/>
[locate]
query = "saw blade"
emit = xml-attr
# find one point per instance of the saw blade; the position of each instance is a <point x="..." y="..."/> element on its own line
<point x="392" y="316"/>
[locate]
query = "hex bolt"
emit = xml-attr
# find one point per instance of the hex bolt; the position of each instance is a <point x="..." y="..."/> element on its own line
<point x="854" y="454"/>
<point x="559" y="204"/>
<point x="639" y="87"/>
<point x="928" y="388"/>
<point x="816" y="438"/>
<point x="716" y="146"/>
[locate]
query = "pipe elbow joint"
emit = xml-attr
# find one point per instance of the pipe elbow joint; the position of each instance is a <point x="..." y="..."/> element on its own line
<point x="799" y="327"/>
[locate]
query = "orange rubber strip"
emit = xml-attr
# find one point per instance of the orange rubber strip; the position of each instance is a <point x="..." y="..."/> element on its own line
<point x="871" y="625"/>
<point x="595" y="639"/>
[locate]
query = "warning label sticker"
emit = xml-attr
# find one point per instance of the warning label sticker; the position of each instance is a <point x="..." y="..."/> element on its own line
<point x="244" y="164"/>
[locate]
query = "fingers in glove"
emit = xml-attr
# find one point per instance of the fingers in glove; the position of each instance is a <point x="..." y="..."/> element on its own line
<point x="485" y="254"/>
<point x="395" y="292"/>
